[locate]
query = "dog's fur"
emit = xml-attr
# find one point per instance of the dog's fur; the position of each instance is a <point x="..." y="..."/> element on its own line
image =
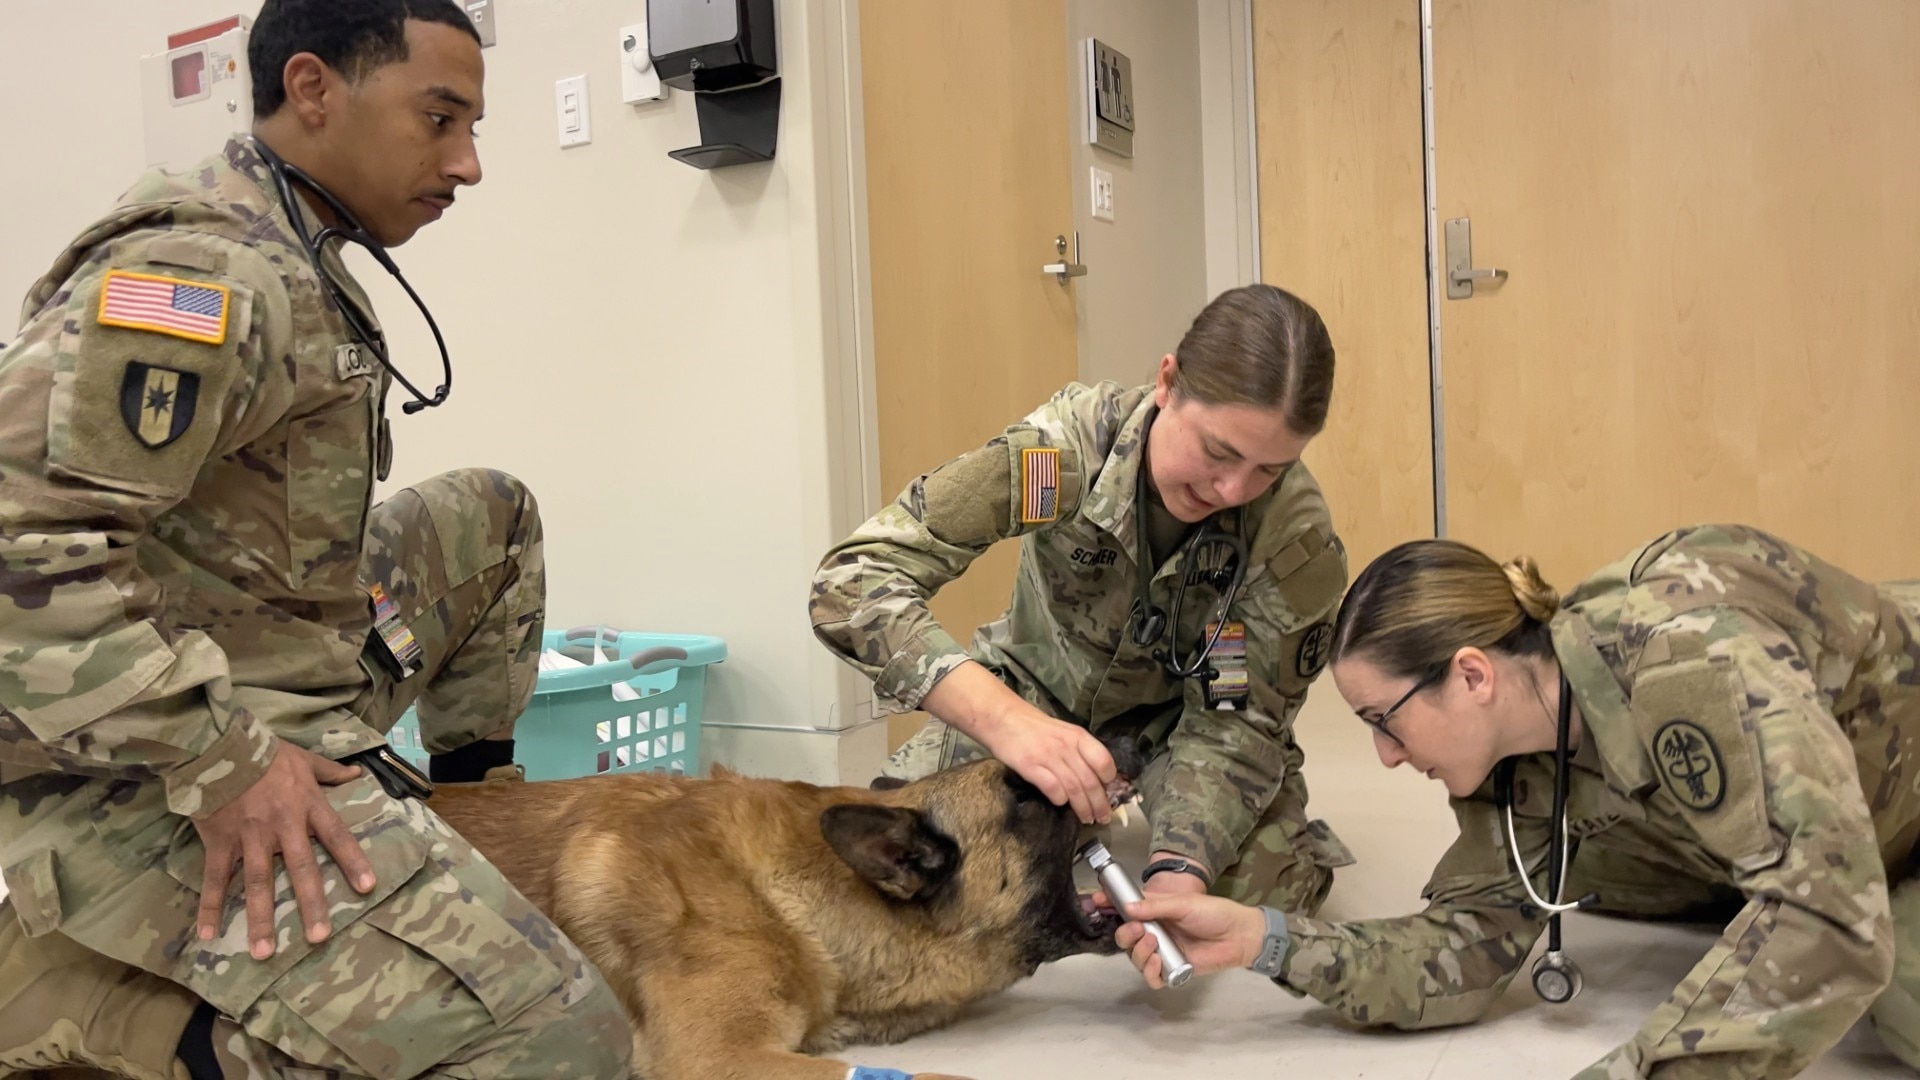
<point x="748" y="923"/>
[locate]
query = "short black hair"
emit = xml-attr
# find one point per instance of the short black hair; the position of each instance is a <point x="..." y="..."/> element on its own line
<point x="353" y="36"/>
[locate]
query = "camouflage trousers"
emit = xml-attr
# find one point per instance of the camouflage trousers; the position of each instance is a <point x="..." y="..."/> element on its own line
<point x="1629" y="885"/>
<point x="1896" y="1015"/>
<point x="1286" y="862"/>
<point x="443" y="970"/>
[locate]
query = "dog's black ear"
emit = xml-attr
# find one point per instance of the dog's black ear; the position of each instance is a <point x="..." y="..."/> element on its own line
<point x="887" y="783"/>
<point x="894" y="848"/>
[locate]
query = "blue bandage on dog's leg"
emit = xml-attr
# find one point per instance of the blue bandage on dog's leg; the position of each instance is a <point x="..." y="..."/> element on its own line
<point x="861" y="1072"/>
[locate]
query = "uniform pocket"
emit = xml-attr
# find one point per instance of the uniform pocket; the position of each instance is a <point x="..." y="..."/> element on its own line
<point x="329" y="491"/>
<point x="492" y="958"/>
<point x="1689" y="713"/>
<point x="222" y="971"/>
<point x="34" y="892"/>
<point x="438" y="965"/>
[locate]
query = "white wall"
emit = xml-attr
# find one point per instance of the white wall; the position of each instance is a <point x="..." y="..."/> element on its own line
<point x="670" y="358"/>
<point x="1147" y="269"/>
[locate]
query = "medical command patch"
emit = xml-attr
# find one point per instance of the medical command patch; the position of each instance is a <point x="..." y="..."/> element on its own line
<point x="1315" y="645"/>
<point x="157" y="403"/>
<point x="1690" y="765"/>
<point x="1039" y="485"/>
<point x="192" y="310"/>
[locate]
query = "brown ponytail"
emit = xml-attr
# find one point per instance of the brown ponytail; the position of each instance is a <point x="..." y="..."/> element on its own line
<point x="1416" y="606"/>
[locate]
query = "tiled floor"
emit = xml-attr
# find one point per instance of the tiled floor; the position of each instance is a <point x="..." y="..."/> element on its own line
<point x="1091" y="1019"/>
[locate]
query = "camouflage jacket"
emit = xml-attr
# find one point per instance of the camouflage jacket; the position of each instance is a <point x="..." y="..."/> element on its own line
<point x="1064" y="643"/>
<point x="187" y="454"/>
<point x="1744" y="703"/>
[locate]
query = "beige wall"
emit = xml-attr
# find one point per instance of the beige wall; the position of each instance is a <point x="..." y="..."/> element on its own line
<point x="1147" y="269"/>
<point x="670" y="358"/>
<point x="1226" y="144"/>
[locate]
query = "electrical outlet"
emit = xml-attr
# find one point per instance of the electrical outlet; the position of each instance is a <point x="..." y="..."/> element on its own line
<point x="1102" y="195"/>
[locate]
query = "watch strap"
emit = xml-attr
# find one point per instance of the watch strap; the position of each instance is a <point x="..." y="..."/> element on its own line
<point x="1175" y="866"/>
<point x="1273" y="949"/>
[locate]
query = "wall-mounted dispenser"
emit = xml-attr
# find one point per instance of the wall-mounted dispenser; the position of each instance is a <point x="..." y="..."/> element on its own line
<point x="723" y="51"/>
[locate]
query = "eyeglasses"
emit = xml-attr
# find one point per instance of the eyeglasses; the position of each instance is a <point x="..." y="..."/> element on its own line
<point x="1379" y="723"/>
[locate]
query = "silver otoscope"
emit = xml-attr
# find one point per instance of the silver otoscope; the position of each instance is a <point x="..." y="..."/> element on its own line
<point x="1122" y="891"/>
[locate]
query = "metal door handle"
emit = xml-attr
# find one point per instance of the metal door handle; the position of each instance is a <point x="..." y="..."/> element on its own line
<point x="1461" y="277"/>
<point x="1461" y="273"/>
<point x="1063" y="269"/>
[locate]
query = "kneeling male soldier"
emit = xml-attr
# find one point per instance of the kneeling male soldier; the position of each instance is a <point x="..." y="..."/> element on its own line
<point x="207" y="627"/>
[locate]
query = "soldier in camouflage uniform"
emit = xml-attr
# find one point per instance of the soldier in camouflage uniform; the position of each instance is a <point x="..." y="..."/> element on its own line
<point x="1105" y="486"/>
<point x="1745" y="716"/>
<point x="204" y="619"/>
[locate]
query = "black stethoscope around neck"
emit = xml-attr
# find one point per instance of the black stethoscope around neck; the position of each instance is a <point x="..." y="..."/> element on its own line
<point x="350" y="231"/>
<point x="1147" y="621"/>
<point x="1556" y="978"/>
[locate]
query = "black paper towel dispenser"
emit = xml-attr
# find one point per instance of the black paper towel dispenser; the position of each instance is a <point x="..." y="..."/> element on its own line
<point x="712" y="46"/>
<point x="724" y="52"/>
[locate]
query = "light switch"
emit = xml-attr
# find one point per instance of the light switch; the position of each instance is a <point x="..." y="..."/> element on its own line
<point x="1102" y="195"/>
<point x="570" y="100"/>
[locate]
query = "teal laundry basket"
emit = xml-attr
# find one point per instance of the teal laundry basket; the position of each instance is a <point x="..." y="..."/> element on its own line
<point x="576" y="727"/>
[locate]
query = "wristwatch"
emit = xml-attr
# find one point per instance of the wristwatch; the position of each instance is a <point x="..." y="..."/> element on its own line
<point x="1177" y="866"/>
<point x="1273" y="948"/>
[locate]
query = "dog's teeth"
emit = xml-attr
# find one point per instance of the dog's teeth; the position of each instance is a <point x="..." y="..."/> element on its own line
<point x="1121" y="813"/>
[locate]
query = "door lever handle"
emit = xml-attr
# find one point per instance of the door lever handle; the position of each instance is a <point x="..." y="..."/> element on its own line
<point x="1064" y="269"/>
<point x="1461" y="273"/>
<point x="1461" y="277"/>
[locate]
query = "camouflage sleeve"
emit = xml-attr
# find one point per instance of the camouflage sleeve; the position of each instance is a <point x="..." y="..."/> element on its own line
<point x="1749" y="753"/>
<point x="1225" y="767"/>
<point x="869" y="598"/>
<point x="1446" y="965"/>
<point x="112" y="404"/>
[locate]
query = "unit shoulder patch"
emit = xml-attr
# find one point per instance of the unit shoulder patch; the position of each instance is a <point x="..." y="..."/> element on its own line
<point x="1690" y="765"/>
<point x="1315" y="645"/>
<point x="157" y="403"/>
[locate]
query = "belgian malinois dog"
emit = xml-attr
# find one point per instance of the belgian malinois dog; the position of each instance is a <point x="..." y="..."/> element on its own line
<point x="746" y="924"/>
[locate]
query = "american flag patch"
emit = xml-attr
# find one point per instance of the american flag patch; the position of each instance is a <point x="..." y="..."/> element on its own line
<point x="184" y="309"/>
<point x="1039" y="485"/>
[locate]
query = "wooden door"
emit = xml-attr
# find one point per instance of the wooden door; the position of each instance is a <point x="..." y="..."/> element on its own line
<point x="967" y="122"/>
<point x="1342" y="225"/>
<point x="1709" y="214"/>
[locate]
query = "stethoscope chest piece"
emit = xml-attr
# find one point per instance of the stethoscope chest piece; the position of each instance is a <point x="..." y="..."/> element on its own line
<point x="1556" y="978"/>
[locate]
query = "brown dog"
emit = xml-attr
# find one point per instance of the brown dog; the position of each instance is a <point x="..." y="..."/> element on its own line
<point x="748" y="923"/>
